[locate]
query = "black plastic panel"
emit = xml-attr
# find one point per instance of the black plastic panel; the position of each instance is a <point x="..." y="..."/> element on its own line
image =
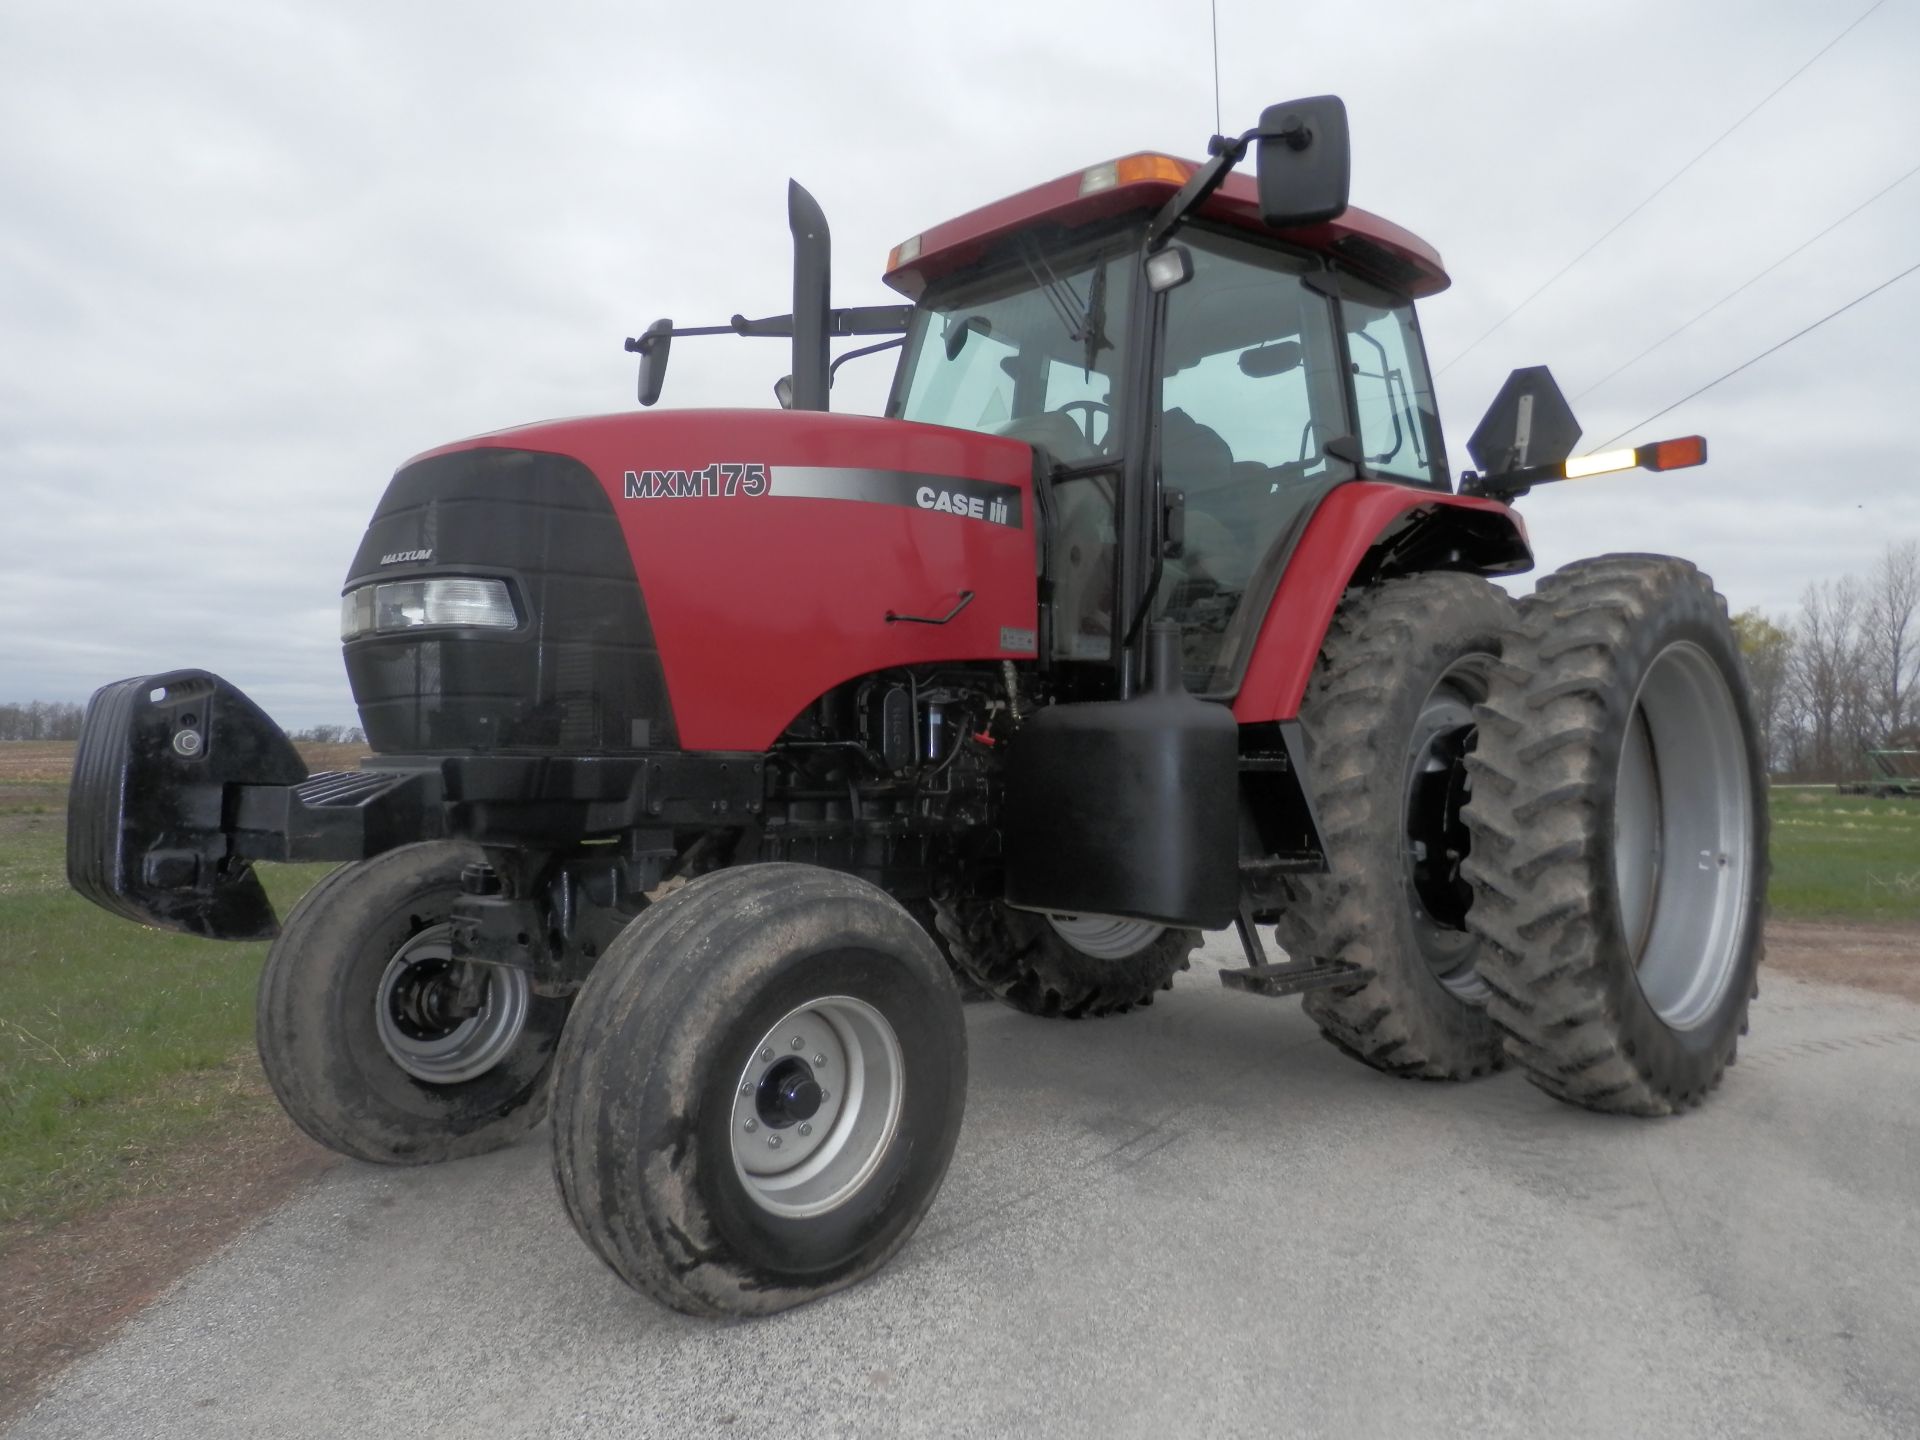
<point x="1128" y="807"/>
<point x="582" y="672"/>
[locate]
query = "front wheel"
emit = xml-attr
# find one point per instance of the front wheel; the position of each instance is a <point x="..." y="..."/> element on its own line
<point x="1619" y="821"/>
<point x="760" y="1090"/>
<point x="360" y="1027"/>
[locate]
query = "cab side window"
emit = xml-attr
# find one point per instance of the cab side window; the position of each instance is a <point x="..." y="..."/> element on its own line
<point x="1398" y="421"/>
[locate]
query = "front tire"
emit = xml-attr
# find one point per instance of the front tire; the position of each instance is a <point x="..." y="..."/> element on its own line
<point x="353" y="1030"/>
<point x="1620" y="837"/>
<point x="1388" y="720"/>
<point x="760" y="1091"/>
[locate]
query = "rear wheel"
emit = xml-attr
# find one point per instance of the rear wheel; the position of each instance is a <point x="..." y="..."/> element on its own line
<point x="1388" y="719"/>
<point x="1067" y="967"/>
<point x="361" y="1031"/>
<point x="760" y="1090"/>
<point x="1620" y="837"/>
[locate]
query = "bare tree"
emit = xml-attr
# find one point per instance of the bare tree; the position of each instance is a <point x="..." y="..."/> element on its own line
<point x="1890" y="638"/>
<point x="1768" y="649"/>
<point x="1826" y="673"/>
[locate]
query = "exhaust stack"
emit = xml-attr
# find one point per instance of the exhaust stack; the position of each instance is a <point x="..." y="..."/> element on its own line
<point x="812" y="303"/>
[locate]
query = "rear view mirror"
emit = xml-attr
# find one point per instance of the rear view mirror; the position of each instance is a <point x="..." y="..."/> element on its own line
<point x="1304" y="160"/>
<point x="1264" y="361"/>
<point x="653" y="347"/>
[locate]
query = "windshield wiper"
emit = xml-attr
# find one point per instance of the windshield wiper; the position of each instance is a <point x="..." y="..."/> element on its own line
<point x="1084" y="321"/>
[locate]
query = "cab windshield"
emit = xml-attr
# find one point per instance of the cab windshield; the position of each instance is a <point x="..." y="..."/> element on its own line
<point x="1033" y="351"/>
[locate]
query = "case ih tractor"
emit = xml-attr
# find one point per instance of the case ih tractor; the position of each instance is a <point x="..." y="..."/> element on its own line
<point x="709" y="744"/>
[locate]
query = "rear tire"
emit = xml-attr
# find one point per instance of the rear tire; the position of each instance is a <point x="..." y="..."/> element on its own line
<point x="713" y="1163"/>
<point x="1388" y="720"/>
<point x="1620" y="837"/>
<point x="347" y="1029"/>
<point x="1062" y="967"/>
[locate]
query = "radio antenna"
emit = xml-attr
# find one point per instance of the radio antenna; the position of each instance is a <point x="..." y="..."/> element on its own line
<point x="1213" y="7"/>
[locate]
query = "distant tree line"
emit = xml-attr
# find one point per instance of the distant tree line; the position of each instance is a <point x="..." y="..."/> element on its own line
<point x="1837" y="678"/>
<point x="40" y="720"/>
<point x="57" y="720"/>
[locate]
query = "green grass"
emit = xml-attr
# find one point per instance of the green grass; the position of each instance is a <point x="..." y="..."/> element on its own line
<point x="118" y="1045"/>
<point x="1845" y="857"/>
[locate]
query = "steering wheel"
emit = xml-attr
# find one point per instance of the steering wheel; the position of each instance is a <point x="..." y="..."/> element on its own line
<point x="1093" y="408"/>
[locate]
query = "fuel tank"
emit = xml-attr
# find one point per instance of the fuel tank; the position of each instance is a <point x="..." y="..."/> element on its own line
<point x="690" y="578"/>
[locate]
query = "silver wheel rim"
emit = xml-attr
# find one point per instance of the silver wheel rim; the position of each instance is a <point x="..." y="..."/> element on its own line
<point x="1105" y="937"/>
<point x="801" y="1164"/>
<point x="1436" y="776"/>
<point x="1683" y="821"/>
<point x="433" y="1047"/>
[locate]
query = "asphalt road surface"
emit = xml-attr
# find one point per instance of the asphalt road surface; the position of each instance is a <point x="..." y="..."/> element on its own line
<point x="1198" y="1220"/>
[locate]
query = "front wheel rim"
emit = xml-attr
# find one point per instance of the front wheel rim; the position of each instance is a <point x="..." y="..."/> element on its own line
<point x="1682" y="836"/>
<point x="816" y="1106"/>
<point x="418" y="1032"/>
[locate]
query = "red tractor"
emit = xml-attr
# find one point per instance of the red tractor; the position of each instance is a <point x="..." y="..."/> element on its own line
<point x="709" y="745"/>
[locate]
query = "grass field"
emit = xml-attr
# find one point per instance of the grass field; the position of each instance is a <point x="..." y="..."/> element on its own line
<point x="119" y="1045"/>
<point x="1845" y="857"/>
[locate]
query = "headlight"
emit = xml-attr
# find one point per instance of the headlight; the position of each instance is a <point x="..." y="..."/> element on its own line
<point x="408" y="604"/>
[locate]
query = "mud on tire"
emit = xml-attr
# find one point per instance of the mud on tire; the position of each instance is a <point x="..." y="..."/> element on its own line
<point x="1386" y="717"/>
<point x="1619" y="818"/>
<point x="1025" y="960"/>
<point x="320" y="1030"/>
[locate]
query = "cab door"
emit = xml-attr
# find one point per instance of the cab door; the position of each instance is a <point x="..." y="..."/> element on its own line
<point x="1252" y="420"/>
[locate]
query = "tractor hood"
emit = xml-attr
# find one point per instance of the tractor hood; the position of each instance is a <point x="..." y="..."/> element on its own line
<point x="687" y="579"/>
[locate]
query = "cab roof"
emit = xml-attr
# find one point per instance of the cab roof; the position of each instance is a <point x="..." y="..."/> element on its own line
<point x="1144" y="181"/>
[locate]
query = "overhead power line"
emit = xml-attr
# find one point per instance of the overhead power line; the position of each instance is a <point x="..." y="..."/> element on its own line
<point x="1745" y="364"/>
<point x="1804" y="244"/>
<point x="1660" y="189"/>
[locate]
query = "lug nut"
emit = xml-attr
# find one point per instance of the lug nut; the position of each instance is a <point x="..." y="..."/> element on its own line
<point x="773" y="1142"/>
<point x="806" y="1129"/>
<point x="825" y="1095"/>
<point x="819" y="1060"/>
<point x="798" y="1043"/>
<point x="746" y="1087"/>
<point x="767" y="1054"/>
<point x="751" y="1125"/>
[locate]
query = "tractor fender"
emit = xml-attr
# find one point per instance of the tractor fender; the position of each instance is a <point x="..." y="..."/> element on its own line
<point x="1363" y="531"/>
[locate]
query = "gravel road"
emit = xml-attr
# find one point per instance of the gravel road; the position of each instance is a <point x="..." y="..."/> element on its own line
<point x="1196" y="1220"/>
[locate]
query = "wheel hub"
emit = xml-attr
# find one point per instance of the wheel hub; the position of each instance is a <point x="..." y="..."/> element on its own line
<point x="1437" y="839"/>
<point x="421" y="1025"/>
<point x="816" y="1106"/>
<point x="788" y="1094"/>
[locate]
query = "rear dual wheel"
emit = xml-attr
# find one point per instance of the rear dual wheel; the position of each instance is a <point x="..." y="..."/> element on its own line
<point x="760" y="1090"/>
<point x="1619" y="822"/>
<point x="1389" y="720"/>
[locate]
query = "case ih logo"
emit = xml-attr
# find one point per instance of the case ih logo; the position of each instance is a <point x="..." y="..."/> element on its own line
<point x="975" y="507"/>
<point x="720" y="481"/>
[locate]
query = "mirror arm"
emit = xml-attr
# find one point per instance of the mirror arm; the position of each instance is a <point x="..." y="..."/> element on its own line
<point x="839" y="360"/>
<point x="1208" y="178"/>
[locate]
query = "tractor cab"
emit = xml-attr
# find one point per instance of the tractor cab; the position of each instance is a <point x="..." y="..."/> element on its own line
<point x="1233" y="377"/>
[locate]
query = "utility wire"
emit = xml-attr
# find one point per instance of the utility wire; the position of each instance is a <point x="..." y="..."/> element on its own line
<point x="1620" y="369"/>
<point x="1659" y="190"/>
<point x="1808" y="330"/>
<point x="1213" y="7"/>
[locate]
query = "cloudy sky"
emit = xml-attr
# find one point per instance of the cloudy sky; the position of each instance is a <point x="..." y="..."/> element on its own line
<point x="255" y="254"/>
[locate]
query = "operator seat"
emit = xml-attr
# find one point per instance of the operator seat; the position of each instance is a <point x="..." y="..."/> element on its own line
<point x="1195" y="460"/>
